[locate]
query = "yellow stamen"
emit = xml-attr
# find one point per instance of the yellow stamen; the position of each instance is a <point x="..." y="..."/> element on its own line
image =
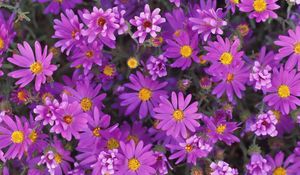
<point x="284" y="91"/>
<point x="145" y="94"/>
<point x="89" y="54"/>
<point x="279" y="171"/>
<point x="297" y="48"/>
<point x="96" y="132"/>
<point x="132" y="63"/>
<point x="112" y="144"/>
<point x="108" y="70"/>
<point x="2" y="44"/>
<point x="229" y="77"/>
<point x="221" y="128"/>
<point x="186" y="51"/>
<point x="133" y="137"/>
<point x="17" y="137"/>
<point x="36" y="67"/>
<point x="134" y="164"/>
<point x="57" y="158"/>
<point x="188" y="148"/>
<point x="178" y="115"/>
<point x="259" y="5"/>
<point x="86" y="104"/>
<point x="226" y="58"/>
<point x="33" y="136"/>
<point x="68" y="119"/>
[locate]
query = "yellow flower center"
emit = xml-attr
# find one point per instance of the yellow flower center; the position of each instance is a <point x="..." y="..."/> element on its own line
<point x="33" y="136"/>
<point x="226" y="58"/>
<point x="89" y="54"/>
<point x="101" y="21"/>
<point x="177" y="33"/>
<point x="145" y="94"/>
<point x="279" y="171"/>
<point x="134" y="164"/>
<point x="112" y="144"/>
<point x="132" y="63"/>
<point x="57" y="158"/>
<point x="297" y="48"/>
<point x="186" y="51"/>
<point x="68" y="119"/>
<point x="17" y="137"/>
<point x="201" y="60"/>
<point x="96" y="132"/>
<point x="235" y="1"/>
<point x="243" y="29"/>
<point x="2" y="44"/>
<point x="22" y="96"/>
<point x="108" y="70"/>
<point x="229" y="77"/>
<point x="259" y="5"/>
<point x="86" y="104"/>
<point x="277" y="114"/>
<point x="284" y="91"/>
<point x="73" y="34"/>
<point x="133" y="137"/>
<point x="188" y="148"/>
<point x="36" y="67"/>
<point x="178" y="115"/>
<point x="221" y="128"/>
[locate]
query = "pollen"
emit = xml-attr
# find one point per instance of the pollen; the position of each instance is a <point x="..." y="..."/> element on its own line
<point x="243" y="29"/>
<point x="36" y="67"/>
<point x="133" y="137"/>
<point x="221" y="128"/>
<point x="22" y="96"/>
<point x="89" y="54"/>
<point x="108" y="70"/>
<point x="2" y="44"/>
<point x="57" y="158"/>
<point x="235" y="1"/>
<point x="134" y="164"/>
<point x="259" y="5"/>
<point x="178" y="115"/>
<point x="297" y="48"/>
<point x="186" y="51"/>
<point x="112" y="144"/>
<point x="147" y="24"/>
<point x="101" y="22"/>
<point x="86" y="104"/>
<point x="68" y="119"/>
<point x="73" y="34"/>
<point x="284" y="91"/>
<point x="277" y="114"/>
<point x="33" y="136"/>
<point x="188" y="148"/>
<point x="279" y="171"/>
<point x="132" y="63"/>
<point x="17" y="137"/>
<point x="145" y="94"/>
<point x="226" y="58"/>
<point x="96" y="132"/>
<point x="229" y="77"/>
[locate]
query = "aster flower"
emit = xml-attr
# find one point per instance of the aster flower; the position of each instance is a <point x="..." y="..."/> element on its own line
<point x="101" y="26"/>
<point x="162" y="164"/>
<point x="87" y="95"/>
<point x="290" y="47"/>
<point x="147" y="22"/>
<point x="257" y="165"/>
<point x="177" y="116"/>
<point x="220" y="129"/>
<point x="120" y="20"/>
<point x="55" y="6"/>
<point x="36" y="65"/>
<point x="157" y="66"/>
<point x="285" y="123"/>
<point x="222" y="53"/>
<point x="231" y="81"/>
<point x="261" y="10"/>
<point x="137" y="132"/>
<point x="67" y="30"/>
<point x="177" y="21"/>
<point x="7" y="32"/>
<point x="15" y="136"/>
<point x="47" y="113"/>
<point x="144" y="93"/>
<point x="71" y="120"/>
<point x="232" y="4"/>
<point x="265" y="125"/>
<point x="222" y="168"/>
<point x="279" y="166"/>
<point x="107" y="72"/>
<point x="184" y="48"/>
<point x="283" y="94"/>
<point x="135" y="159"/>
<point x="208" y="21"/>
<point x="105" y="163"/>
<point x="19" y="96"/>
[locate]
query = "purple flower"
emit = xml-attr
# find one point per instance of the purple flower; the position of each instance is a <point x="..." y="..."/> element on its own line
<point x="184" y="48"/>
<point x="135" y="159"/>
<point x="231" y="4"/>
<point x="257" y="165"/>
<point x="7" y="33"/>
<point x="222" y="168"/>
<point x="231" y="81"/>
<point x="68" y="31"/>
<point x="105" y="163"/>
<point x="265" y="125"/>
<point x="20" y="96"/>
<point x="71" y="120"/>
<point x="36" y="65"/>
<point x="290" y="47"/>
<point x="162" y="164"/>
<point x="56" y="5"/>
<point x="177" y="117"/>
<point x="157" y="66"/>
<point x="208" y="21"/>
<point x="15" y="136"/>
<point x="136" y="132"/>
<point x="101" y="26"/>
<point x="261" y="10"/>
<point x="147" y="22"/>
<point x="107" y="72"/>
<point x="279" y="166"/>
<point x="47" y="112"/>
<point x="285" y="89"/>
<point x="145" y="93"/>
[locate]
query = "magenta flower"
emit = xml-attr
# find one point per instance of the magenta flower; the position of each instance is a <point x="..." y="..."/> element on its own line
<point x="7" y="32"/>
<point x="177" y="116"/>
<point x="157" y="66"/>
<point x="283" y="94"/>
<point x="101" y="26"/>
<point x="147" y="22"/>
<point x="15" y="136"/>
<point x="137" y="159"/>
<point x="36" y="65"/>
<point x="290" y="47"/>
<point x="105" y="163"/>
<point x="137" y="132"/>
<point x="146" y="93"/>
<point x="55" y="6"/>
<point x="208" y="21"/>
<point x="47" y="113"/>
<point x="257" y="165"/>
<point x="184" y="48"/>
<point x="265" y="125"/>
<point x="279" y="166"/>
<point x="71" y="120"/>
<point x="222" y="168"/>
<point x="67" y="30"/>
<point x="261" y="10"/>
